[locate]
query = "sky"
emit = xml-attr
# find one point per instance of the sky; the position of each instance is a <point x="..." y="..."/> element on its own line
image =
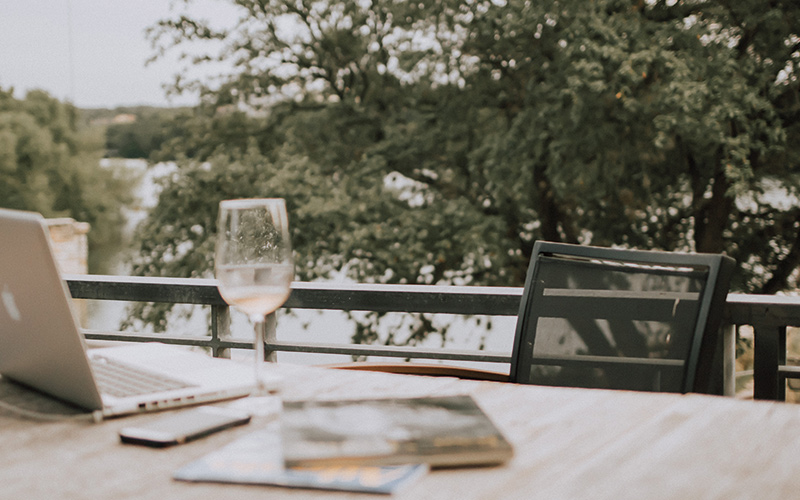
<point x="90" y="52"/>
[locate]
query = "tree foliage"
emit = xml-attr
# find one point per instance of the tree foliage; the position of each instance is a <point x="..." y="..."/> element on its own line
<point x="49" y="164"/>
<point x="434" y="142"/>
<point x="143" y="136"/>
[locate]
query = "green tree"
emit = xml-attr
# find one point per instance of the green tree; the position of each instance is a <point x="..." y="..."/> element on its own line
<point x="435" y="142"/>
<point x="145" y="135"/>
<point x="49" y="163"/>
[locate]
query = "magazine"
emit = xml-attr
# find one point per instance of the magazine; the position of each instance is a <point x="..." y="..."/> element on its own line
<point x="257" y="459"/>
<point x="443" y="431"/>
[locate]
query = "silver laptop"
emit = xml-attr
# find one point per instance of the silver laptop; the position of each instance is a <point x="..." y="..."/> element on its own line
<point x="41" y="344"/>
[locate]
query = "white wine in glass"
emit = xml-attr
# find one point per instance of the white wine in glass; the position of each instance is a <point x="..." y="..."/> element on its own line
<point x="253" y="262"/>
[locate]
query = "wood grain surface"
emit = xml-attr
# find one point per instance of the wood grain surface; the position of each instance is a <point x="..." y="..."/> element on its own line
<point x="569" y="444"/>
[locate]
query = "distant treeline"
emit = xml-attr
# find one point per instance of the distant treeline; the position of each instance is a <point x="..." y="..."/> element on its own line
<point x="136" y="132"/>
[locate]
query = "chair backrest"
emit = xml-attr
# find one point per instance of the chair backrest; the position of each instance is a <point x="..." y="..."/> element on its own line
<point x="621" y="319"/>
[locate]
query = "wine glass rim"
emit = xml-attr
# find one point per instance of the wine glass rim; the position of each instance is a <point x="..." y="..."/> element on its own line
<point x="249" y="202"/>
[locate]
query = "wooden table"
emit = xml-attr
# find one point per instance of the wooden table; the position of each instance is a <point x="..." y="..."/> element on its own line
<point x="569" y="443"/>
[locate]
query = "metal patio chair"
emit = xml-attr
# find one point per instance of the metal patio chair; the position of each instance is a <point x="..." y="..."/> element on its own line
<point x="612" y="318"/>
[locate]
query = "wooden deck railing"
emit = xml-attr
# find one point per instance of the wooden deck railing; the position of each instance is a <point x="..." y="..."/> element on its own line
<point x="768" y="315"/>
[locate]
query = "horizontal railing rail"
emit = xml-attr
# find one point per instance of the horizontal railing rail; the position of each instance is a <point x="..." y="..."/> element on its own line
<point x="494" y="301"/>
<point x="769" y="316"/>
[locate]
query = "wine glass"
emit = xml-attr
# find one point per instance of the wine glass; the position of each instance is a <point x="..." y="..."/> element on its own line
<point x="253" y="263"/>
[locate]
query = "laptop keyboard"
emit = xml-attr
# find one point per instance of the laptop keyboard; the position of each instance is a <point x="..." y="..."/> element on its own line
<point x="121" y="380"/>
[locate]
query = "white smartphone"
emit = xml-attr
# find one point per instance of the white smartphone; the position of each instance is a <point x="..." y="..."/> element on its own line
<point x="183" y="426"/>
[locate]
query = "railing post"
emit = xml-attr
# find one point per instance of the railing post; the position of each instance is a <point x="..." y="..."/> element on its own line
<point x="270" y="337"/>
<point x="729" y="360"/>
<point x="769" y="353"/>
<point x="220" y="330"/>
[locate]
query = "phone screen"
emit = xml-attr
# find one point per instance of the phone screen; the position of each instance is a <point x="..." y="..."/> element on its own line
<point x="183" y="426"/>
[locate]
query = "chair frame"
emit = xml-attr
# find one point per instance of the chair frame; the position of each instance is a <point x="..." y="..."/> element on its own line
<point x="702" y="368"/>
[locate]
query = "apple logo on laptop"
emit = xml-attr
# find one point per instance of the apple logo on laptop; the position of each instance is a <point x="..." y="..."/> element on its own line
<point x="11" y="305"/>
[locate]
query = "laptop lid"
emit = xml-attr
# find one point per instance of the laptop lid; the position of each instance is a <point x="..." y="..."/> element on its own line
<point x="40" y="344"/>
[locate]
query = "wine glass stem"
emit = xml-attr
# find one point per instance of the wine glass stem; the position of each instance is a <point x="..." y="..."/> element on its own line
<point x="258" y="344"/>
